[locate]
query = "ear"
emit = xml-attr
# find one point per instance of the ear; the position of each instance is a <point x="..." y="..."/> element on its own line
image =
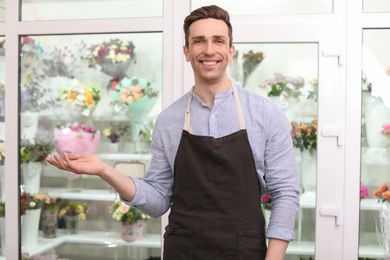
<point x="186" y="53"/>
<point x="232" y="50"/>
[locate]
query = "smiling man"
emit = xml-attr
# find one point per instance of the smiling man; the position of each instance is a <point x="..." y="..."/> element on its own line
<point x="216" y="150"/>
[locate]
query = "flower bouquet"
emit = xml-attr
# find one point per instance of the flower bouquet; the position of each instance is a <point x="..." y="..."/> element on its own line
<point x="266" y="201"/>
<point x="32" y="157"/>
<point x="80" y="99"/>
<point x="383" y="224"/>
<point x="283" y="86"/>
<point x="133" y="95"/>
<point x="73" y="212"/>
<point x="131" y="218"/>
<point x="76" y="138"/>
<point x="305" y="136"/>
<point x="115" y="132"/>
<point x="251" y="61"/>
<point x="112" y="57"/>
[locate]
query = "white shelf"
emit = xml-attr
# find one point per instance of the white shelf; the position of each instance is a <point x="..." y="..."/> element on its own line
<point x="125" y="156"/>
<point x="108" y="239"/>
<point x="307" y="248"/>
<point x="84" y="194"/>
<point x="308" y="201"/>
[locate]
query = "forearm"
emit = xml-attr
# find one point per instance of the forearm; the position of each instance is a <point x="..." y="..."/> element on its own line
<point x="121" y="183"/>
<point x="276" y="249"/>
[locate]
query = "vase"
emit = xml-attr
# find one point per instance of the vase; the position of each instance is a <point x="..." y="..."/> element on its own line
<point x="112" y="147"/>
<point x="267" y="216"/>
<point x="2" y="235"/>
<point x="49" y="222"/>
<point x="30" y="227"/>
<point x="74" y="181"/>
<point x="308" y="175"/>
<point x="32" y="176"/>
<point x="28" y="125"/>
<point x="383" y="229"/>
<point x="2" y="182"/>
<point x="71" y="224"/>
<point x="132" y="232"/>
<point x="376" y="115"/>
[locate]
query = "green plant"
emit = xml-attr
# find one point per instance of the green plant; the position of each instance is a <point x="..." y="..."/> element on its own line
<point x="72" y="209"/>
<point x="125" y="213"/>
<point x="305" y="136"/>
<point x="146" y="132"/>
<point x="2" y="208"/>
<point x="37" y="151"/>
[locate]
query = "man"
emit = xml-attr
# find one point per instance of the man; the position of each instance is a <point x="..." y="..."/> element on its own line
<point x="215" y="151"/>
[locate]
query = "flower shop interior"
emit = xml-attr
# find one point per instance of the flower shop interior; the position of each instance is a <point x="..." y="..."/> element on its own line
<point x="94" y="81"/>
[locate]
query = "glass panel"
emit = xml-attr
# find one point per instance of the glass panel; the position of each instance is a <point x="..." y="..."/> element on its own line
<point x="86" y="93"/>
<point x="288" y="73"/>
<point x="2" y="150"/>
<point x="38" y="10"/>
<point x="375" y="158"/>
<point x="376" y="6"/>
<point x="254" y="7"/>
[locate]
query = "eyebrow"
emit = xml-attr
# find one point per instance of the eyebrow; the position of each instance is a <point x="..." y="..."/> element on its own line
<point x="214" y="37"/>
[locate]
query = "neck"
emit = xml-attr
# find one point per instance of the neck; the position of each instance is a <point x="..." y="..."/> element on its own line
<point x="207" y="92"/>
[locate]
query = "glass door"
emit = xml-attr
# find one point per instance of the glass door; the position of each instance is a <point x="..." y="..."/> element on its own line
<point x="375" y="156"/>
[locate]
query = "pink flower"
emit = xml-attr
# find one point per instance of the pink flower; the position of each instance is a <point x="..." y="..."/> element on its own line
<point x="124" y="208"/>
<point x="266" y="198"/>
<point x="364" y="193"/>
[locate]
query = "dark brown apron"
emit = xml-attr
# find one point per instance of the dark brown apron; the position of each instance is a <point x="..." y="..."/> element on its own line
<point x="216" y="210"/>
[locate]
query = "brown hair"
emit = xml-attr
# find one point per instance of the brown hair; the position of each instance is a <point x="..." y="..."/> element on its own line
<point x="205" y="12"/>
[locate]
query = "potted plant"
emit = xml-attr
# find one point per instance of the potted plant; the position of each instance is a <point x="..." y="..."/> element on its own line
<point x="132" y="220"/>
<point x="32" y="157"/>
<point x="146" y="132"/>
<point x="114" y="133"/>
<point x="31" y="205"/>
<point x="49" y="217"/>
<point x="382" y="193"/>
<point x="72" y="212"/>
<point x="266" y="204"/>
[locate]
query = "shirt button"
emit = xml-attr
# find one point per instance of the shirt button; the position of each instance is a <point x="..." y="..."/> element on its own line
<point x="212" y="116"/>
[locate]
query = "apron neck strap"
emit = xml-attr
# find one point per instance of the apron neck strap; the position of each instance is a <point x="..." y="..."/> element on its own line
<point x="187" y="118"/>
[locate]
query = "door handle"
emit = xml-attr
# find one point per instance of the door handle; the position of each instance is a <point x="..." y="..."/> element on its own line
<point x="332" y="211"/>
<point x="334" y="131"/>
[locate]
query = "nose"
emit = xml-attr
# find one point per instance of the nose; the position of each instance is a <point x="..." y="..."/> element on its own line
<point x="209" y="48"/>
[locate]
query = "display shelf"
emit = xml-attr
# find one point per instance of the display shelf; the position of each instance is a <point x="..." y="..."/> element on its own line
<point x="84" y="194"/>
<point x="108" y="239"/>
<point x="308" y="200"/>
<point x="125" y="156"/>
<point x="307" y="248"/>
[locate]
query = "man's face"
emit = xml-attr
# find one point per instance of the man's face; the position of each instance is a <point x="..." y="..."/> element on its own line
<point x="209" y="51"/>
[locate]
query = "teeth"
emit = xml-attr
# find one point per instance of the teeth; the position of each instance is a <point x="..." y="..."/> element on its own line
<point x="209" y="62"/>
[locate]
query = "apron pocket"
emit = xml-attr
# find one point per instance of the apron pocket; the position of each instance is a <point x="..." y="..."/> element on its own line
<point x="177" y="244"/>
<point x="251" y="245"/>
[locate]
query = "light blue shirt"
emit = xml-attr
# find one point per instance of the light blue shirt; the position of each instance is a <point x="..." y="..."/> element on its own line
<point x="269" y="135"/>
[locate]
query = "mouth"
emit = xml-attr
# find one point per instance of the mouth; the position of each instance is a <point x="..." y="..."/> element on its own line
<point x="209" y="62"/>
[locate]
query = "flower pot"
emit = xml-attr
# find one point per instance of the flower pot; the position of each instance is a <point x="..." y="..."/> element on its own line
<point x="132" y="232"/>
<point x="28" y="125"/>
<point x="2" y="235"/>
<point x="71" y="224"/>
<point x="30" y="227"/>
<point x="308" y="176"/>
<point x="32" y="172"/>
<point x="112" y="147"/>
<point x="49" y="223"/>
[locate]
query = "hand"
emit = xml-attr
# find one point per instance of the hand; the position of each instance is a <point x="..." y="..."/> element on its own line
<point x="83" y="163"/>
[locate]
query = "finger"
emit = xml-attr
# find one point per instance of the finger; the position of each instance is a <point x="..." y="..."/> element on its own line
<point x="61" y="164"/>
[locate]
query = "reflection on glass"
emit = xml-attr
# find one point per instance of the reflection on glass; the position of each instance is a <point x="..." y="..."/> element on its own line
<point x="374" y="215"/>
<point x="376" y="6"/>
<point x="288" y="74"/>
<point x="89" y="93"/>
<point x="254" y="7"/>
<point x="85" y="9"/>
